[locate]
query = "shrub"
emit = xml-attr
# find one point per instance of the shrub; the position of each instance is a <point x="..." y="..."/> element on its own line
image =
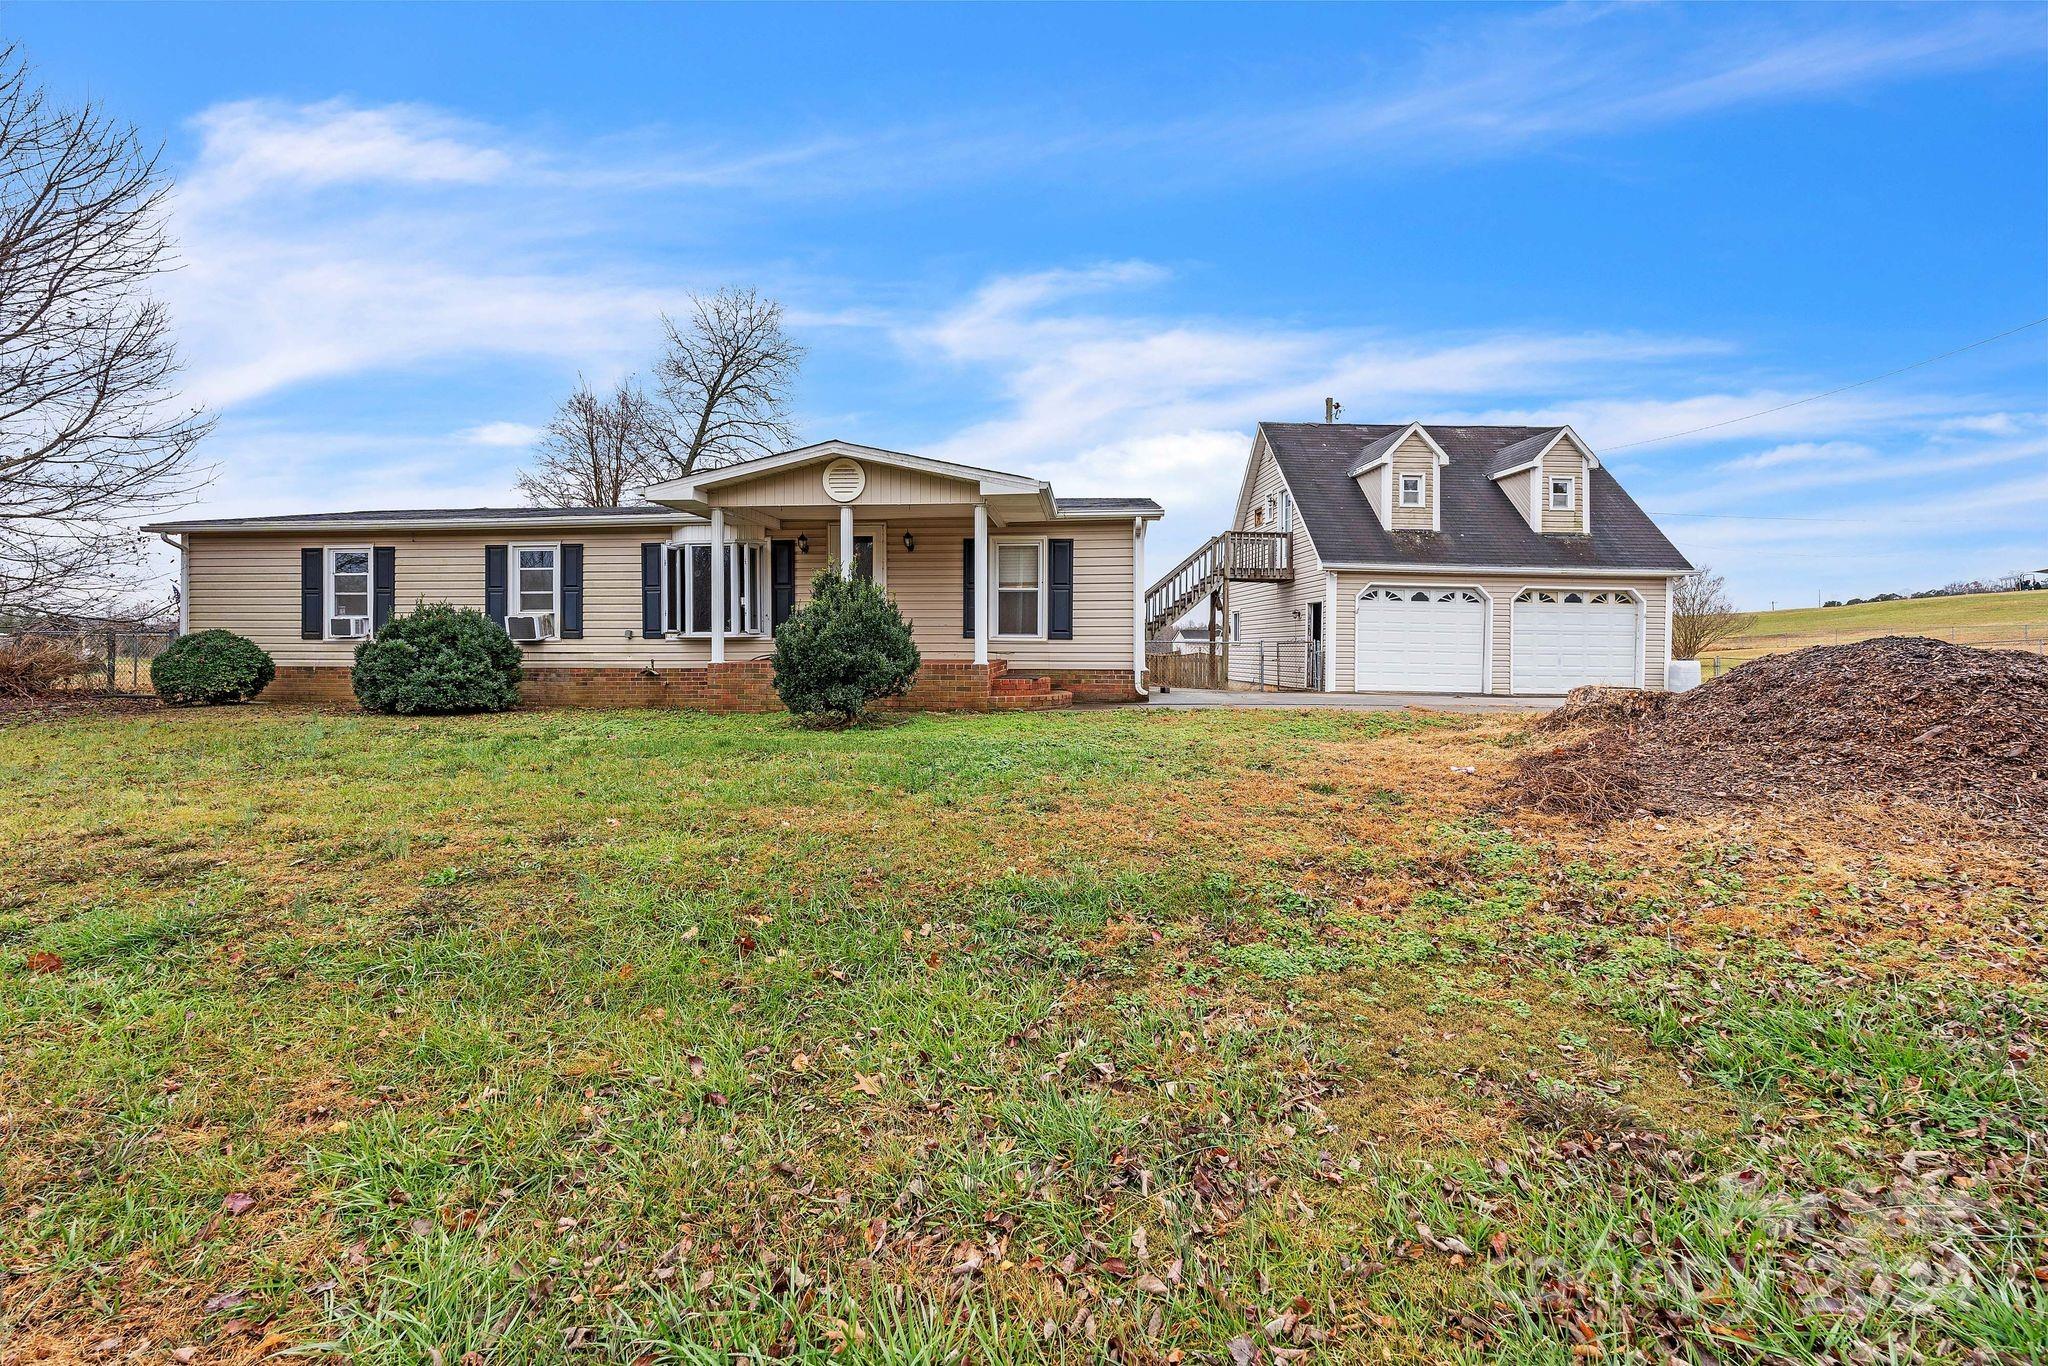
<point x="207" y="668"/>
<point x="30" y="666"/>
<point x="847" y="647"/>
<point x="436" y="661"/>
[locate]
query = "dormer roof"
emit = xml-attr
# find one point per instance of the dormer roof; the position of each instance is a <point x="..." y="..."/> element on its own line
<point x="1480" y="526"/>
<point x="1381" y="449"/>
<point x="1530" y="450"/>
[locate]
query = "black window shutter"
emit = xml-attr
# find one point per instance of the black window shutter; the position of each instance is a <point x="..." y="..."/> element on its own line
<point x="1060" y="554"/>
<point x="782" y="582"/>
<point x="967" y="589"/>
<point x="312" y="597"/>
<point x="494" y="583"/>
<point x="384" y="594"/>
<point x="650" y="589"/>
<point x="572" y="591"/>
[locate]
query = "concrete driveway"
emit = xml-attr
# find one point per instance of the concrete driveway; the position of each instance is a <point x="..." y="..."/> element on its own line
<point x="1354" y="701"/>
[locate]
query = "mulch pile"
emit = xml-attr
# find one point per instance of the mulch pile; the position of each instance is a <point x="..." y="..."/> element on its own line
<point x="1900" y="716"/>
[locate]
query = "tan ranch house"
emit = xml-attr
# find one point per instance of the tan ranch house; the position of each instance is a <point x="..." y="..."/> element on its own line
<point x="1404" y="558"/>
<point x="1017" y="599"/>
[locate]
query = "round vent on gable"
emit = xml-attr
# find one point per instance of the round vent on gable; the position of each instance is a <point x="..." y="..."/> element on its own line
<point x="844" y="479"/>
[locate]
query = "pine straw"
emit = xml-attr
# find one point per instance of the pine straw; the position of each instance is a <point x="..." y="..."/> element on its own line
<point x="1944" y="726"/>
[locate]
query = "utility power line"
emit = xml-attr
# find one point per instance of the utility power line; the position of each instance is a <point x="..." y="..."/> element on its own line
<point x="1811" y="398"/>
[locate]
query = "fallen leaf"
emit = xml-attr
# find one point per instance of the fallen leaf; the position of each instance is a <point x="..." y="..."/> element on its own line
<point x="45" y="962"/>
<point x="868" y="1085"/>
<point x="238" y="1202"/>
<point x="1243" y="1351"/>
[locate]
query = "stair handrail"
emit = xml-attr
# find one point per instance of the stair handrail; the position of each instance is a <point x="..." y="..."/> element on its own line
<point x="1184" y="578"/>
<point x="1259" y="550"/>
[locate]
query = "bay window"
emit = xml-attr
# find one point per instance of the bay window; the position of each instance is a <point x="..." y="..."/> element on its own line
<point x="1020" y="589"/>
<point x="687" y="597"/>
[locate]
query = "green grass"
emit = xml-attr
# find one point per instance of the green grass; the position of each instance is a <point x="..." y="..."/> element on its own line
<point x="643" y="1036"/>
<point x="2010" y="620"/>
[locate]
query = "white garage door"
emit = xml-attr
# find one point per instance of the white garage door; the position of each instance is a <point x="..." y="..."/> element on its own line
<point x="1564" y="638"/>
<point x="1421" y="640"/>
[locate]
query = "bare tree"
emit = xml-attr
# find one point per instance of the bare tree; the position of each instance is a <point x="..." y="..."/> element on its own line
<point x="91" y="436"/>
<point x="726" y="377"/>
<point x="1702" y="614"/>
<point x="597" y="449"/>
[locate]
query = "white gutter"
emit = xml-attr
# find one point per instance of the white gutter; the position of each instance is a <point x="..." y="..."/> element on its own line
<point x="184" y="583"/>
<point x="666" y="518"/>
<point x="1522" y="570"/>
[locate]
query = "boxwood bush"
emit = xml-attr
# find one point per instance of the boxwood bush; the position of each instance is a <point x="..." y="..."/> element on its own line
<point x="438" y="660"/>
<point x="847" y="648"/>
<point x="208" y="668"/>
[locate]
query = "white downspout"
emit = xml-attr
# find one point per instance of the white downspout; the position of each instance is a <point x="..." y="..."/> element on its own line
<point x="184" y="582"/>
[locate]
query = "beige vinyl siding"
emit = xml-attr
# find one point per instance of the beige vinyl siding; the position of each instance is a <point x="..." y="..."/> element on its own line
<point x="1413" y="456"/>
<point x="1503" y="590"/>
<point x="1517" y="487"/>
<point x="249" y="584"/>
<point x="804" y="486"/>
<point x="1564" y="459"/>
<point x="1271" y="647"/>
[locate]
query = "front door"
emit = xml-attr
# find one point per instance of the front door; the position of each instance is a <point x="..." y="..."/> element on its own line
<point x="1316" y="653"/>
<point x="782" y="582"/>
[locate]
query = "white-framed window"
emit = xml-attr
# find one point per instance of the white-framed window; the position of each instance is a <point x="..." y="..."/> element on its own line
<point x="536" y="579"/>
<point x="1236" y="626"/>
<point x="686" y="595"/>
<point x="1564" y="493"/>
<point x="1020" y="589"/>
<point x="349" y="592"/>
<point x="1411" y="490"/>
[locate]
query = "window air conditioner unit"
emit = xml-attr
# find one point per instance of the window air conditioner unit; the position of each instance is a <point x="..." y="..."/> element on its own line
<point x="530" y="626"/>
<point x="348" y="628"/>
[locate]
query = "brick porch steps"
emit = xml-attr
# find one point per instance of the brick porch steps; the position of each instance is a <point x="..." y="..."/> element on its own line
<point x="1048" y="700"/>
<point x="1009" y="685"/>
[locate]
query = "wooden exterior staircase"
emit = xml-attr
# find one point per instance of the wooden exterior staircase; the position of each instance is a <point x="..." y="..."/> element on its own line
<point x="1233" y="557"/>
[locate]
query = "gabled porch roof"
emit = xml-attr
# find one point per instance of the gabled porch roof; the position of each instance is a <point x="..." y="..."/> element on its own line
<point x="1009" y="497"/>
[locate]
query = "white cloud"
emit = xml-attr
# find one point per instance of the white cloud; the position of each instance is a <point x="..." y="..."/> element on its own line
<point x="516" y="434"/>
<point x="1802" y="453"/>
<point x="254" y="146"/>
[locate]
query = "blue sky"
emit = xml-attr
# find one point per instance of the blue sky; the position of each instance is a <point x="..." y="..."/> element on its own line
<point x="1101" y="244"/>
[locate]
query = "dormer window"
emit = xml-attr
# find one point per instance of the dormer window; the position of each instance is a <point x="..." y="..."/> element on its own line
<point x="1563" y="493"/>
<point x="1411" y="490"/>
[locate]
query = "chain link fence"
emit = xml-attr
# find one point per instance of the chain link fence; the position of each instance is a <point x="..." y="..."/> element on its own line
<point x="115" y="658"/>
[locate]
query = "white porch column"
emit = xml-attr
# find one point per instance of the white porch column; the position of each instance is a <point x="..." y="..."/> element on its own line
<point x="1138" y="606"/>
<point x="718" y="585"/>
<point x="846" y="540"/>
<point x="982" y="571"/>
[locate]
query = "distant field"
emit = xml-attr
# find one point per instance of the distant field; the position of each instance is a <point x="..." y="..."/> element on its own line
<point x="2013" y="620"/>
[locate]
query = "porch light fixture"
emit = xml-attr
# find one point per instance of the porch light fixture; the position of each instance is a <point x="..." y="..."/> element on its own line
<point x="803" y="543"/>
<point x="909" y="543"/>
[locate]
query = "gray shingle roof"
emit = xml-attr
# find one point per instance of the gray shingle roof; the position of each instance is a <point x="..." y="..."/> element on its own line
<point x="1373" y="452"/>
<point x="1102" y="507"/>
<point x="1480" y="525"/>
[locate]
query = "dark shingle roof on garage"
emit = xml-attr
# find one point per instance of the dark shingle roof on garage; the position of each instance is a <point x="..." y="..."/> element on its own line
<point x="1481" y="527"/>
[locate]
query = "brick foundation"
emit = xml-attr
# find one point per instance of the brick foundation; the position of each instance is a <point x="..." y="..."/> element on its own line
<point x="1094" y="685"/>
<point x="739" y="686"/>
